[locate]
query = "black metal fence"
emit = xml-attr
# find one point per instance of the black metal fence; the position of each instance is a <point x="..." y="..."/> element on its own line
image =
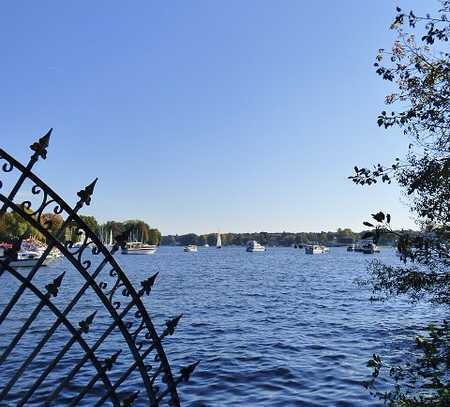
<point x="113" y="354"/>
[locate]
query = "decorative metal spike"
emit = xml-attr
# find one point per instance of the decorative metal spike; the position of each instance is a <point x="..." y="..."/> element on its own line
<point x="148" y="283"/>
<point x="187" y="371"/>
<point x="109" y="362"/>
<point x="129" y="400"/>
<point x="172" y="324"/>
<point x="53" y="288"/>
<point x="85" y="324"/>
<point x="86" y="193"/>
<point x="40" y="146"/>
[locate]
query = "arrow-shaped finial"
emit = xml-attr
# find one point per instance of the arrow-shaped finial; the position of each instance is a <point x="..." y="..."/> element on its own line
<point x="148" y="283"/>
<point x="40" y="146"/>
<point x="171" y="324"/>
<point x="187" y="371"/>
<point x="85" y="324"/>
<point x="86" y="193"/>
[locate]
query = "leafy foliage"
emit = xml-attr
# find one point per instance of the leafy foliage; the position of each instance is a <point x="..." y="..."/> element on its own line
<point x="420" y="69"/>
<point x="422" y="76"/>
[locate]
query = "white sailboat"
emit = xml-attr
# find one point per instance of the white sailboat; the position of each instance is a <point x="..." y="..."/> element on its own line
<point x="110" y="242"/>
<point x="219" y="241"/>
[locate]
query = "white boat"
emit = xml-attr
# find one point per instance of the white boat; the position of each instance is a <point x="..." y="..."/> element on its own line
<point x="370" y="248"/>
<point x="254" y="246"/>
<point x="27" y="259"/>
<point x="138" y="248"/>
<point x="206" y="245"/>
<point x="36" y="248"/>
<point x="219" y="241"/>
<point x="316" y="249"/>
<point x="190" y="248"/>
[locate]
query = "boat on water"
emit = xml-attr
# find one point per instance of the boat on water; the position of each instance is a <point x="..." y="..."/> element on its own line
<point x="370" y="248"/>
<point x="35" y="246"/>
<point x="351" y="248"/>
<point x="254" y="246"/>
<point x="219" y="241"/>
<point x="29" y="259"/>
<point x="316" y="249"/>
<point x="25" y="258"/>
<point x="190" y="248"/>
<point x="138" y="248"/>
<point x="206" y="245"/>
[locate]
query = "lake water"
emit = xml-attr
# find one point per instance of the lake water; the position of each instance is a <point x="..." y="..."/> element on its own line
<point x="278" y="328"/>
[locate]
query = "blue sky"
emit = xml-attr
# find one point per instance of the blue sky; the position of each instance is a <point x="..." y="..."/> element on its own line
<point x="201" y="115"/>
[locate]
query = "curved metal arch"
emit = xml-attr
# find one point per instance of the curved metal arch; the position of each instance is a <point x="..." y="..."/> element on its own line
<point x="143" y="312"/>
<point x="69" y="326"/>
<point x="97" y="290"/>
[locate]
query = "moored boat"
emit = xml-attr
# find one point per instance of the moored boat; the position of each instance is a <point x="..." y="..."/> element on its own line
<point x="25" y="259"/>
<point x="138" y="248"/>
<point x="370" y="248"/>
<point x="190" y="248"/>
<point x="254" y="246"/>
<point x="315" y="249"/>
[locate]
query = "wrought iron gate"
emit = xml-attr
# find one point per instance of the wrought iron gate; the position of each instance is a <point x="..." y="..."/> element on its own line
<point x="48" y="354"/>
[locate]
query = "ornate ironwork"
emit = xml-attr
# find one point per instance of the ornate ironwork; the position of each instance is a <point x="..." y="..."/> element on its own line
<point x="111" y="362"/>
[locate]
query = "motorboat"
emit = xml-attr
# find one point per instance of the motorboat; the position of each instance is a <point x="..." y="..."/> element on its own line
<point x="254" y="246"/>
<point x="315" y="249"/>
<point x="370" y="248"/>
<point x="25" y="259"/>
<point x="351" y="248"/>
<point x="190" y="248"/>
<point x="138" y="248"/>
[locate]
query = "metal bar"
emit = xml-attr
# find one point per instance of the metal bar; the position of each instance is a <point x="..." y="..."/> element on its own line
<point x="170" y="328"/>
<point x="83" y="392"/>
<point x="52" y="289"/>
<point x="34" y="269"/>
<point x="22" y="331"/>
<point x="123" y="377"/>
<point x="109" y="362"/>
<point x="71" y="329"/>
<point x="64" y="313"/>
<point x="46" y="372"/>
<point x="82" y="361"/>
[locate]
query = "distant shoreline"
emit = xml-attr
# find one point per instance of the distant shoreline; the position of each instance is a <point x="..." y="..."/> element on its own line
<point x="341" y="237"/>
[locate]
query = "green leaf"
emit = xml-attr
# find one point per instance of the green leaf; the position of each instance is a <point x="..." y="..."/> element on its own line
<point x="379" y="217"/>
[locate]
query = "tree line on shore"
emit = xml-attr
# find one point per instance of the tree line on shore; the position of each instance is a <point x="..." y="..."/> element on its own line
<point x="13" y="226"/>
<point x="340" y="237"/>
